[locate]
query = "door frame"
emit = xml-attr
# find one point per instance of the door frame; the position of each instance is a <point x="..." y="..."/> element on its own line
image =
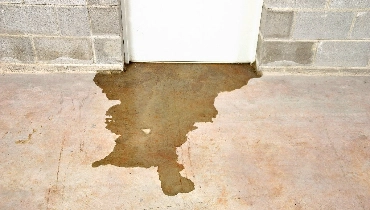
<point x="125" y="31"/>
<point x="125" y="38"/>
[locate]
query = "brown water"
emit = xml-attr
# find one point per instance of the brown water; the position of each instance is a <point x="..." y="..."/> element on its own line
<point x="159" y="105"/>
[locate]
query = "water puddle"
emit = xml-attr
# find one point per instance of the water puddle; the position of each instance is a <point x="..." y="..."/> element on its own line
<point x="159" y="105"/>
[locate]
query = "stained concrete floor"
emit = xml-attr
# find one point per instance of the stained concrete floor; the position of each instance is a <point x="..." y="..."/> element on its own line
<point x="278" y="142"/>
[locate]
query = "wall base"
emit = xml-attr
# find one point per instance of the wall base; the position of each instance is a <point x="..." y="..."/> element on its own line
<point x="325" y="71"/>
<point x="57" y="68"/>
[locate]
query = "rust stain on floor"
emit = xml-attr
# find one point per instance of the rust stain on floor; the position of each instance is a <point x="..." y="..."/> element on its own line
<point x="25" y="141"/>
<point x="159" y="105"/>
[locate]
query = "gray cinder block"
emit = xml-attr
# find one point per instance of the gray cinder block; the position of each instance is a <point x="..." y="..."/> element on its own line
<point x="28" y="19"/>
<point x="56" y="2"/>
<point x="105" y="20"/>
<point x="343" y="54"/>
<point x="74" y="21"/>
<point x="102" y="2"/>
<point x="11" y="1"/>
<point x="16" y="50"/>
<point x="322" y="25"/>
<point x="72" y="2"/>
<point x="350" y="3"/>
<point x="295" y="3"/>
<point x="361" y="29"/>
<point x="276" y="24"/>
<point x="64" y="50"/>
<point x="281" y="53"/>
<point x="42" y="2"/>
<point x="108" y="51"/>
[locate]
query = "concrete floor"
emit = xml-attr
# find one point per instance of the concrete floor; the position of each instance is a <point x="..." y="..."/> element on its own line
<point x="280" y="142"/>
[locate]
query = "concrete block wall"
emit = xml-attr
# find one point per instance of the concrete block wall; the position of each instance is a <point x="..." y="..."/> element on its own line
<point x="60" y="32"/>
<point x="314" y="35"/>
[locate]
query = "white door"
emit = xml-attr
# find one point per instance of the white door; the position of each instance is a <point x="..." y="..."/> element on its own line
<point x="193" y="30"/>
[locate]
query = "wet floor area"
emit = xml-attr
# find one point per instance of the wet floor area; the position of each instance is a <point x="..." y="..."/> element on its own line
<point x="184" y="136"/>
<point x="159" y="105"/>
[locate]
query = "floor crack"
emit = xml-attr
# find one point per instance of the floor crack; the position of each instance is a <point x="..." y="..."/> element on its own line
<point x="60" y="156"/>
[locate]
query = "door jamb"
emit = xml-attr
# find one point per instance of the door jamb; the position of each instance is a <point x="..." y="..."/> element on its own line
<point x="125" y="33"/>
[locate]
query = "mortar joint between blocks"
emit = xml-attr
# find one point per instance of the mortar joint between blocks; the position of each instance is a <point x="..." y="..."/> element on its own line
<point x="350" y="33"/>
<point x="36" y="58"/>
<point x="292" y="27"/>
<point x="57" y="20"/>
<point x="319" y="9"/>
<point x="315" y="49"/>
<point x="91" y="37"/>
<point x="327" y="4"/>
<point x="23" y="4"/>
